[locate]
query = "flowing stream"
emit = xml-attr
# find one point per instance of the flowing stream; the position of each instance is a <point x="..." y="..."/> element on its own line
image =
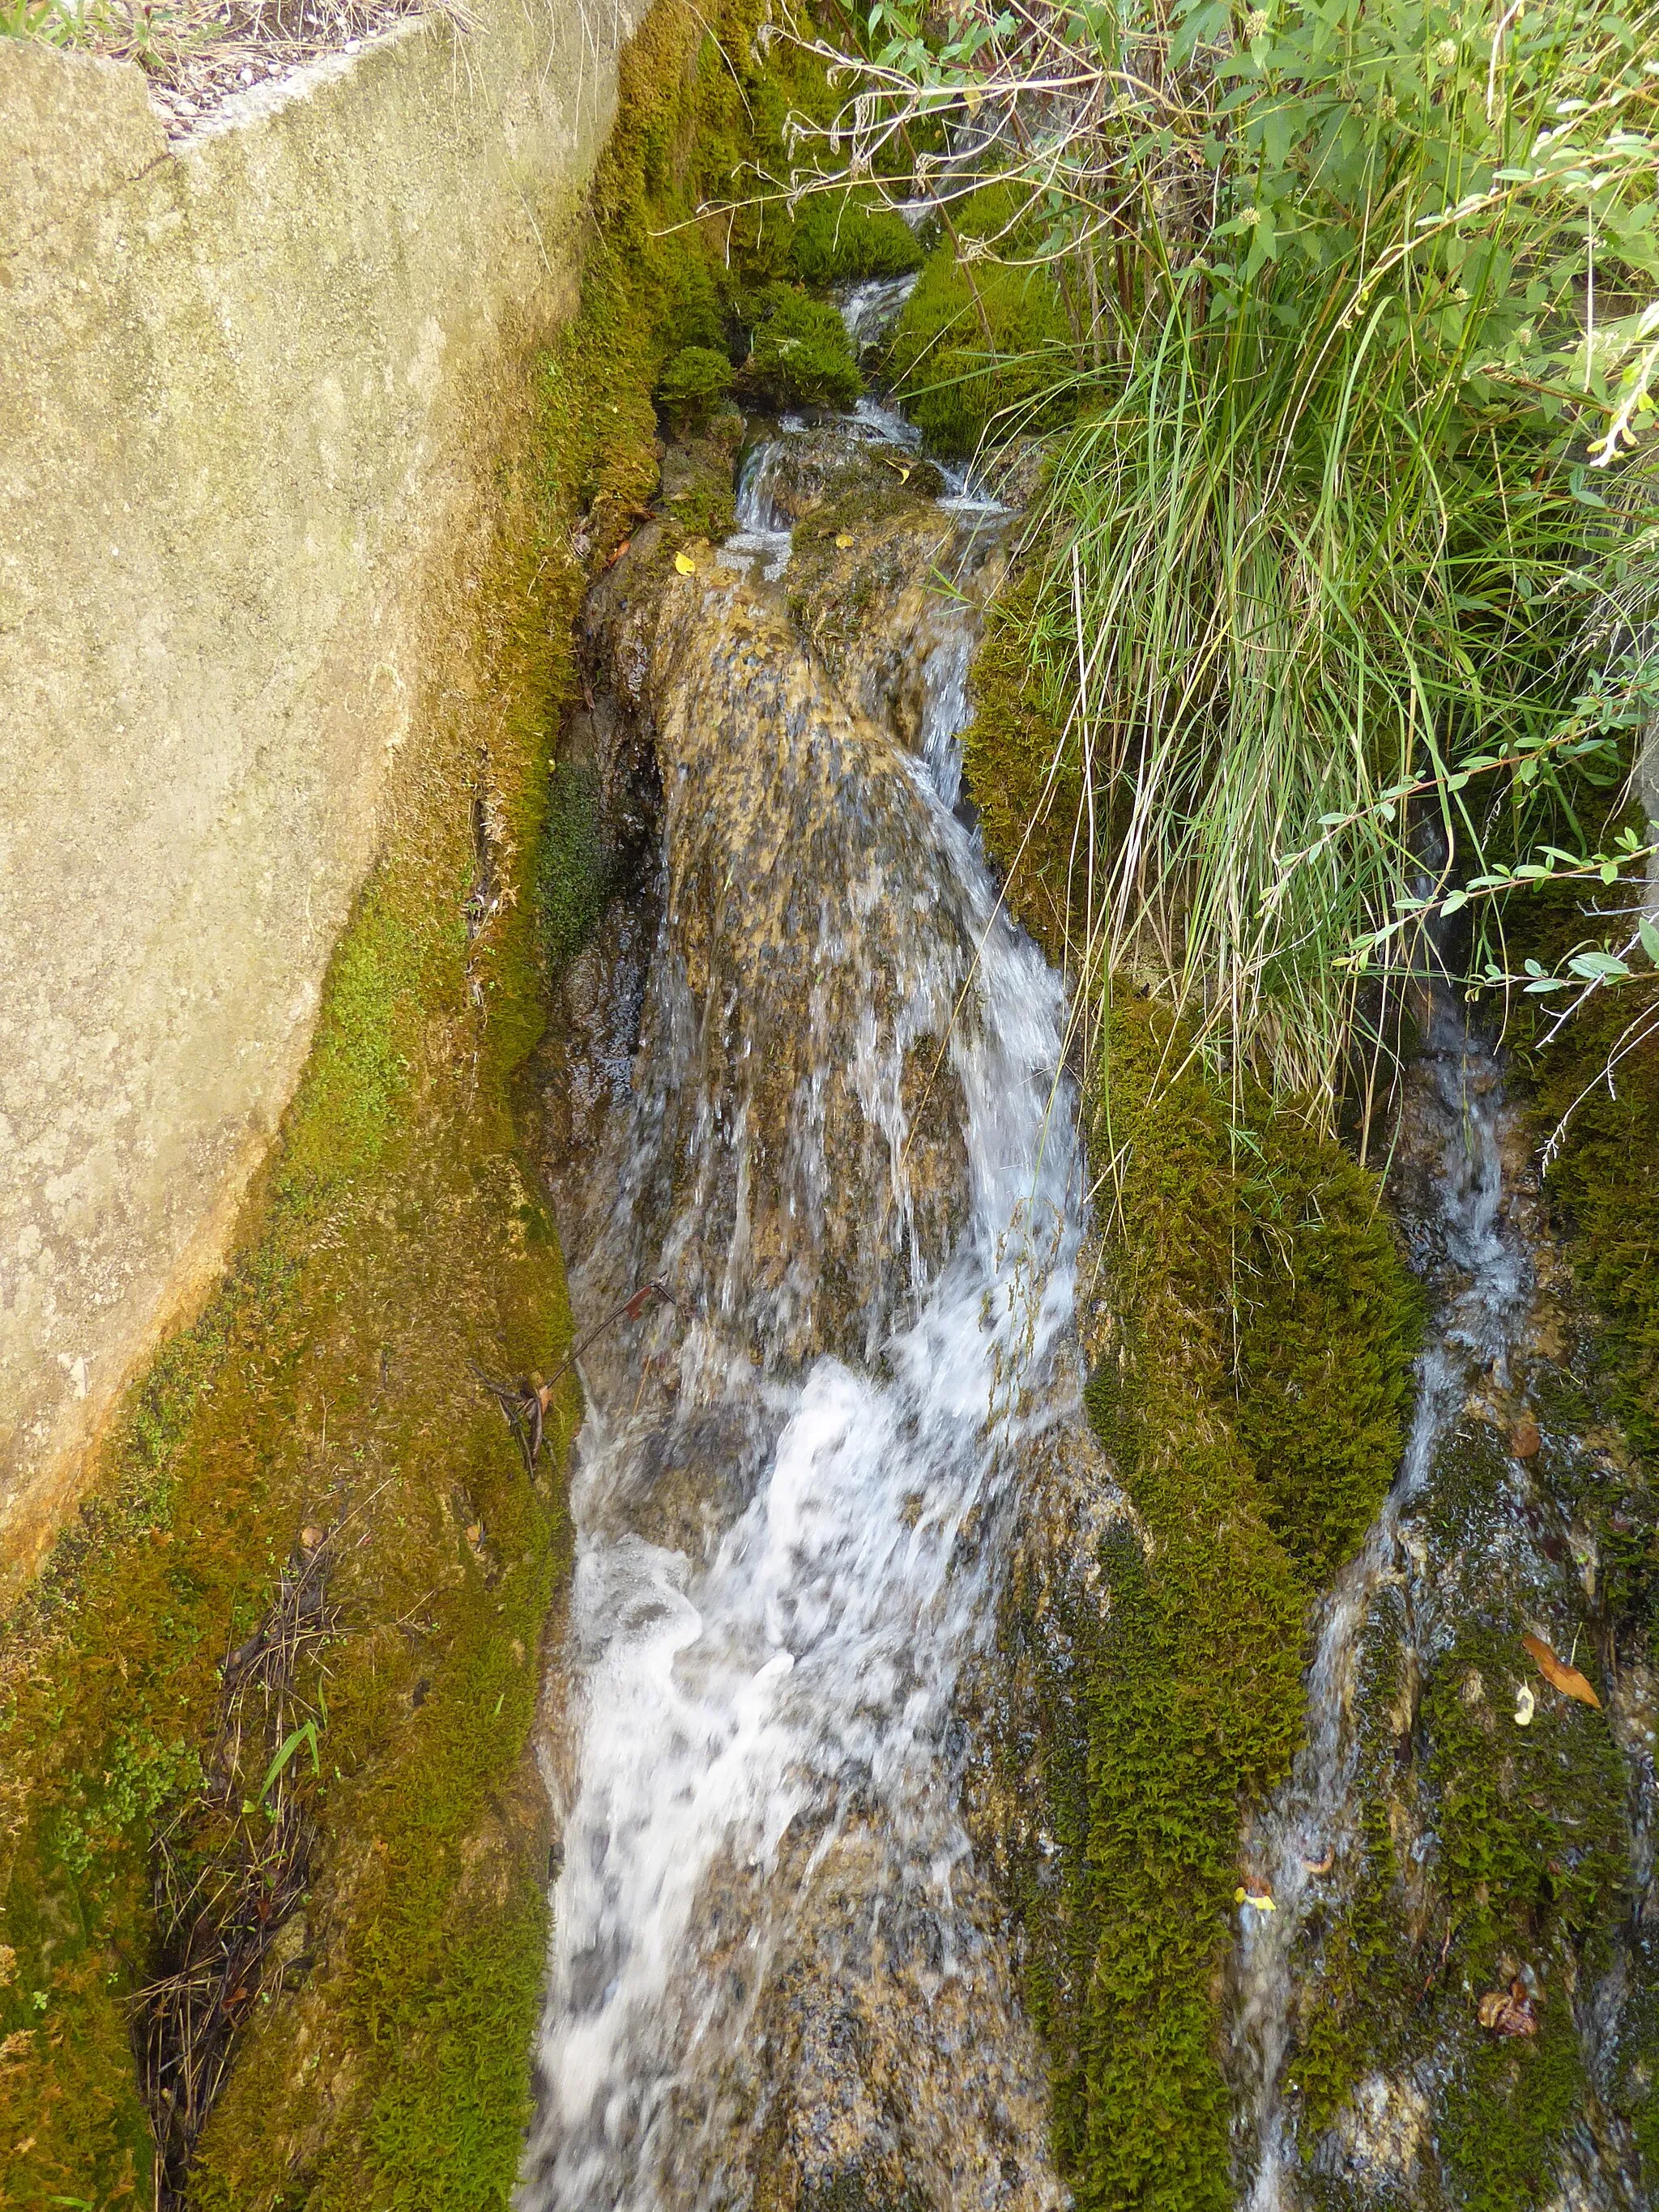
<point x="808" y="1098"/>
<point x="845" y="1148"/>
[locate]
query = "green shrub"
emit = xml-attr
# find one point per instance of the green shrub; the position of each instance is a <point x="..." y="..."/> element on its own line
<point x="1358" y="484"/>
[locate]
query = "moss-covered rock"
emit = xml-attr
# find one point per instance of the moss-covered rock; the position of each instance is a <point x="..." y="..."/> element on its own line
<point x="799" y="354"/>
<point x="1327" y="1324"/>
<point x="1492" y="1847"/>
<point x="1165" y="1690"/>
<point x="982" y="343"/>
<point x="1603" y="1184"/>
<point x="693" y="384"/>
<point x="1023" y="772"/>
<point x="1592" y="1100"/>
<point x="841" y="237"/>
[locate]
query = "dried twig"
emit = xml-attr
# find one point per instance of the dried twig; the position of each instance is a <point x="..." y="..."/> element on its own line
<point x="525" y="1403"/>
<point x="232" y="1865"/>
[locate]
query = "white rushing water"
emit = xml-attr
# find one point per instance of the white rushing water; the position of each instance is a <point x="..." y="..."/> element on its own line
<point x="1478" y="1264"/>
<point x="744" y="1711"/>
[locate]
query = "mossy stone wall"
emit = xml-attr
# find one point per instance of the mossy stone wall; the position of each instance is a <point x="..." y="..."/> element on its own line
<point x="257" y="389"/>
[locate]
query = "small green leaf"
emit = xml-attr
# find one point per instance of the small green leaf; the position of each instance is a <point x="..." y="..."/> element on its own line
<point x="306" y="1734"/>
<point x="1598" y="967"/>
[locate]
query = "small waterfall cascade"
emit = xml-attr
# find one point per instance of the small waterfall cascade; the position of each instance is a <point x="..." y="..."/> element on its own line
<point x="1441" y="1593"/>
<point x="845" y="1149"/>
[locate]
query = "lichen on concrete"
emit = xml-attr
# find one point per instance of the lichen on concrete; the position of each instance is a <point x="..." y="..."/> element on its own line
<point x="253" y="394"/>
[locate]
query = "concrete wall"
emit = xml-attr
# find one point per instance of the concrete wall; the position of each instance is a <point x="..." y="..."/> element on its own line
<point x="250" y="389"/>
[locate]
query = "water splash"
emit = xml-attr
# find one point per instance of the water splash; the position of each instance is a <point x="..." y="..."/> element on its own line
<point x="762" y="534"/>
<point x="870" y="309"/>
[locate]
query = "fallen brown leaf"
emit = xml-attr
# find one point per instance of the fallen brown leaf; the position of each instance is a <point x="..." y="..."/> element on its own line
<point x="1513" y="2011"/>
<point x="1559" y="1677"/>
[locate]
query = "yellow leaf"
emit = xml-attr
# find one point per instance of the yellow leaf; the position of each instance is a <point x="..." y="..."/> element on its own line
<point x="685" y="565"/>
<point x="844" y="540"/>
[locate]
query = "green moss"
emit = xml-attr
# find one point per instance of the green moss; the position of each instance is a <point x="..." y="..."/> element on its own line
<point x="1328" y="1323"/>
<point x="1507" y="2112"/>
<point x="1523" y="1866"/>
<point x="979" y="343"/>
<point x="800" y="356"/>
<point x="1603" y="1185"/>
<point x="1023" y="773"/>
<point x="572" y="878"/>
<point x="843" y="237"/>
<point x="1591" y="1094"/>
<point x="1527" y="1819"/>
<point x="1180" y="1703"/>
<point x="1372" y="1975"/>
<point x="694" y="382"/>
<point x="1531" y="1866"/>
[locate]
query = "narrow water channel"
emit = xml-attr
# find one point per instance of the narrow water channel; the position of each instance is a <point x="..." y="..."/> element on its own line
<point x="845" y="1148"/>
<point x="1483" y="1541"/>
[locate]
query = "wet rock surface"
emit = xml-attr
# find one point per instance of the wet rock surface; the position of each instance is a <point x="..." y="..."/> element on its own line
<point x="1450" y="2003"/>
<point x="823" y="1106"/>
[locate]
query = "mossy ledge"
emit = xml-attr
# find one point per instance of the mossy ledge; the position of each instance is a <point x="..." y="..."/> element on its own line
<point x="397" y="1235"/>
<point x="394" y="1240"/>
<point x="1251" y="1335"/>
<point x="1592" y="1102"/>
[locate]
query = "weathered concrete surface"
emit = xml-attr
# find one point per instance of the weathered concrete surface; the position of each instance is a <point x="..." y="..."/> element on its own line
<point x="252" y="389"/>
